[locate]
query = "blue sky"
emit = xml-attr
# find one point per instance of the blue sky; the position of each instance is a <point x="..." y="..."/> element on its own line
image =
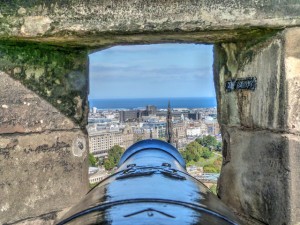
<point x="151" y="71"/>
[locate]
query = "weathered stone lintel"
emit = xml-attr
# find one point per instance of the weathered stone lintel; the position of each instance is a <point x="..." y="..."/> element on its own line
<point x="55" y="18"/>
<point x="98" y="41"/>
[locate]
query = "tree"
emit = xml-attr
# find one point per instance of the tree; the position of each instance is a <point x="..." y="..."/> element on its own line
<point x="208" y="141"/>
<point x="114" y="155"/>
<point x="206" y="153"/>
<point x="108" y="164"/>
<point x="193" y="152"/>
<point x="92" y="160"/>
<point x="219" y="146"/>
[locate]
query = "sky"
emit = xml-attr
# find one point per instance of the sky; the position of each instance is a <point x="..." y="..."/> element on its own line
<point x="152" y="71"/>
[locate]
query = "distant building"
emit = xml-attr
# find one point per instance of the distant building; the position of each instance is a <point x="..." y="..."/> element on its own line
<point x="175" y="114"/>
<point x="151" y="109"/>
<point x="142" y="134"/>
<point x="102" y="141"/>
<point x="179" y="129"/>
<point x="213" y="128"/>
<point x="194" y="115"/>
<point x="94" y="110"/>
<point x="129" y="115"/>
<point x="193" y="131"/>
<point x="97" y="176"/>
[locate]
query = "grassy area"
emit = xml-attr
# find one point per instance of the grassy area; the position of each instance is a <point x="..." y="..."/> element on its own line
<point x="204" y="162"/>
<point x="210" y="165"/>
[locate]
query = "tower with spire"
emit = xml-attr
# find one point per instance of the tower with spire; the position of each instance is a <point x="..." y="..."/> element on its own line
<point x="169" y="126"/>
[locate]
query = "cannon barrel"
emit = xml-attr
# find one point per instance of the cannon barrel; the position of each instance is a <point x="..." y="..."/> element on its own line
<point x="150" y="186"/>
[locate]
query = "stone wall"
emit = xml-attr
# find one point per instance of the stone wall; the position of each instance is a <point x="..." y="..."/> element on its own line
<point x="59" y="75"/>
<point x="100" y="23"/>
<point x="43" y="95"/>
<point x="261" y="127"/>
<point x="292" y="71"/>
<point x="43" y="143"/>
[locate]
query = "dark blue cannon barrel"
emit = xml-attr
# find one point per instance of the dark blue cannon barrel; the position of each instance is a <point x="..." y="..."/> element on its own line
<point x="151" y="186"/>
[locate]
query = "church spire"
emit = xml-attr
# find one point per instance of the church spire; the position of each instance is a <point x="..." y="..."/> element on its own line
<point x="169" y="126"/>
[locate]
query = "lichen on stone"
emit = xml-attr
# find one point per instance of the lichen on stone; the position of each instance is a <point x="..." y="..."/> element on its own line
<point x="58" y="75"/>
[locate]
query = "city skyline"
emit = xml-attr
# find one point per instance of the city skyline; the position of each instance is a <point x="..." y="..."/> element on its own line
<point x="152" y="71"/>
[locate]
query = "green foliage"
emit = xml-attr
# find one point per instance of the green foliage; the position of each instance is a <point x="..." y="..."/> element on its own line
<point x="190" y="163"/>
<point x="211" y="168"/>
<point x="207" y="153"/>
<point x="213" y="189"/>
<point x="208" y="141"/>
<point x="218" y="163"/>
<point x="219" y="146"/>
<point x="54" y="73"/>
<point x="194" y="152"/>
<point x="114" y="155"/>
<point x="108" y="164"/>
<point x="92" y="160"/>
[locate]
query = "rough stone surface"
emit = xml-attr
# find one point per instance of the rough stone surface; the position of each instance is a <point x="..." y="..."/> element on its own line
<point x="46" y="219"/>
<point x="267" y="107"/>
<point x="292" y="71"/>
<point x="60" y="76"/>
<point x="96" y="23"/>
<point x="43" y="142"/>
<point x="260" y="175"/>
<point x="260" y="128"/>
<point x="37" y="114"/>
<point x="257" y="178"/>
<point x="40" y="173"/>
<point x="35" y="25"/>
<point x="294" y="147"/>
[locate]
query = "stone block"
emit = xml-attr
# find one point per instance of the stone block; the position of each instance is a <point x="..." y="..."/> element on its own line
<point x="23" y="111"/>
<point x="262" y="108"/>
<point x="275" y="103"/>
<point x="76" y="22"/>
<point x="41" y="173"/>
<point x="56" y="75"/>
<point x="260" y="175"/>
<point x="294" y="159"/>
<point x="292" y="71"/>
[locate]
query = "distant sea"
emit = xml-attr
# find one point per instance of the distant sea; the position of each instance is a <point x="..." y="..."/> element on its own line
<point x="161" y="103"/>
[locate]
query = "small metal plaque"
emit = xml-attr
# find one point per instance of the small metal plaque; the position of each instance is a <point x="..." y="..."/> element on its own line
<point x="248" y="83"/>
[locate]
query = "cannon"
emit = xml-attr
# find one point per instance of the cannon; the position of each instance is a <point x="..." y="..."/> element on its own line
<point x="151" y="186"/>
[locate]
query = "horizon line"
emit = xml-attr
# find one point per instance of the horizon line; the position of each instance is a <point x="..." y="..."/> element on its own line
<point x="149" y="97"/>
